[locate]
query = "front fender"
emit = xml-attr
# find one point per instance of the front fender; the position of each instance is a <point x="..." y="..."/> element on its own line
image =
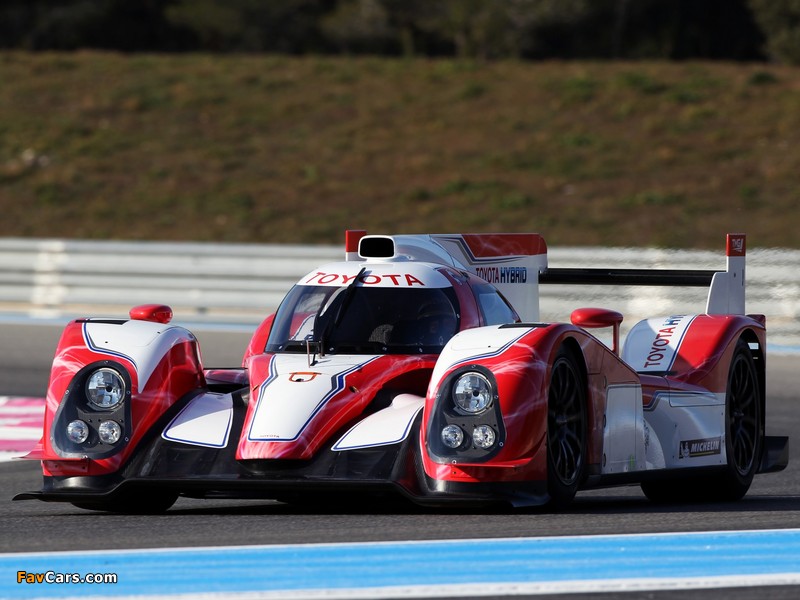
<point x="159" y="363"/>
<point x="517" y="360"/>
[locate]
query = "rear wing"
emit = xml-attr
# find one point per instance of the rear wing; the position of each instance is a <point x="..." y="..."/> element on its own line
<point x="726" y="288"/>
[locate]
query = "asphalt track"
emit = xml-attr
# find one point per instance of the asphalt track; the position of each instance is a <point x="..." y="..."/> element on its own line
<point x="25" y="353"/>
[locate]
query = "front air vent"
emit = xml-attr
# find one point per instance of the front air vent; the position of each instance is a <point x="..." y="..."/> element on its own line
<point x="376" y="246"/>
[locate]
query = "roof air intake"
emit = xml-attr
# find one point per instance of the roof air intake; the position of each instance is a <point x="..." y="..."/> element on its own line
<point x="376" y="246"/>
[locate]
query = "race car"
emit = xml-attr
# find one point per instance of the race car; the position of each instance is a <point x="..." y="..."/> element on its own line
<point x="419" y="368"/>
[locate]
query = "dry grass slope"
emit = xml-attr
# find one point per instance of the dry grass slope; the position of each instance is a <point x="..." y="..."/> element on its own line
<point x="295" y="150"/>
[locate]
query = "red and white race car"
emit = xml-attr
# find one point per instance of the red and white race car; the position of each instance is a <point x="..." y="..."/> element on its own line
<point x="419" y="365"/>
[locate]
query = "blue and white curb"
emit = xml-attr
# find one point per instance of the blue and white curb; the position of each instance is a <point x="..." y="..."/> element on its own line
<point x="424" y="569"/>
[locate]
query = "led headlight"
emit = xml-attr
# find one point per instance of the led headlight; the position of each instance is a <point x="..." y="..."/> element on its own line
<point x="472" y="393"/>
<point x="452" y="436"/>
<point x="483" y="436"/>
<point x="105" y="388"/>
<point x="109" y="432"/>
<point x="77" y="431"/>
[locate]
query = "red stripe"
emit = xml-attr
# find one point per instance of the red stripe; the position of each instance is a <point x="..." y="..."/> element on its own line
<point x="485" y="245"/>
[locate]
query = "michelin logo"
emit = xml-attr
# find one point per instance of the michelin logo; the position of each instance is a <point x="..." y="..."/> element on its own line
<point x="695" y="448"/>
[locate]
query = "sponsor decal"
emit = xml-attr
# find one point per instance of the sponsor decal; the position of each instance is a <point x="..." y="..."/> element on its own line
<point x="503" y="274"/>
<point x="395" y="279"/>
<point x="302" y="376"/>
<point x="736" y="245"/>
<point x="695" y="448"/>
<point x="660" y="355"/>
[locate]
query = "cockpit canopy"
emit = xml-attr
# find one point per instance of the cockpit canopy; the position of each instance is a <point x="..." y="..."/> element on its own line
<point x="356" y="319"/>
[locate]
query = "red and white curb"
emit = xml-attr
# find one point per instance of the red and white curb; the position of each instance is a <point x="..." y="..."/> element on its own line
<point x="20" y="425"/>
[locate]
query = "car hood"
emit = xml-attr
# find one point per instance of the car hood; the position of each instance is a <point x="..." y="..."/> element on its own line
<point x="296" y="408"/>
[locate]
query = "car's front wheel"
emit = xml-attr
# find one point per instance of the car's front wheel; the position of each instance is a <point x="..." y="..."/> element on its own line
<point x="566" y="429"/>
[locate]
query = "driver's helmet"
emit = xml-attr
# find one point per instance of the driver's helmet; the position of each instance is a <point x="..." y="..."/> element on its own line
<point x="436" y="322"/>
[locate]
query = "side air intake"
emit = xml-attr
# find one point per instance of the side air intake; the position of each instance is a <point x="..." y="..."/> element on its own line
<point x="376" y="246"/>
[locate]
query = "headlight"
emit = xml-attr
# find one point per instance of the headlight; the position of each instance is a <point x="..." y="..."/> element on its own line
<point x="105" y="388"/>
<point x="483" y="436"/>
<point x="77" y="431"/>
<point x="472" y="393"/>
<point x="109" y="432"/>
<point x="452" y="436"/>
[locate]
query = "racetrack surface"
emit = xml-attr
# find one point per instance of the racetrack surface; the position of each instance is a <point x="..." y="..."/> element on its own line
<point x="772" y="503"/>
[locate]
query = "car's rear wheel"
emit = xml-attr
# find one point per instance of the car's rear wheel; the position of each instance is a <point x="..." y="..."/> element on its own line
<point x="566" y="429"/>
<point x="743" y="441"/>
<point x="743" y="430"/>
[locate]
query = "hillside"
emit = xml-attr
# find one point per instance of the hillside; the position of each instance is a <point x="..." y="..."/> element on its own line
<point x="295" y="150"/>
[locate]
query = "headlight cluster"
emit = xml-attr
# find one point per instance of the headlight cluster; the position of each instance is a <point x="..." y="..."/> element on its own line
<point x="472" y="393"/>
<point x="108" y="432"/>
<point x="468" y="417"/>
<point x="105" y="389"/>
<point x="77" y="431"/>
<point x="93" y="416"/>
<point x="483" y="436"/>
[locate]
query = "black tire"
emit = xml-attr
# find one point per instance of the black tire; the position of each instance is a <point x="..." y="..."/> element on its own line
<point x="743" y="441"/>
<point x="743" y="425"/>
<point x="142" y="503"/>
<point x="566" y="430"/>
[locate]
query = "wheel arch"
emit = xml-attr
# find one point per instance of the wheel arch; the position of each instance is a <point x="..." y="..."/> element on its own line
<point x="573" y="346"/>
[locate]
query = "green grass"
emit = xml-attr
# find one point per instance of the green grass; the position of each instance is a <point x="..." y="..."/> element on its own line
<point x="274" y="149"/>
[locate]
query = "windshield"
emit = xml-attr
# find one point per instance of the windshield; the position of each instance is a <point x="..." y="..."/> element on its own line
<point x="364" y="320"/>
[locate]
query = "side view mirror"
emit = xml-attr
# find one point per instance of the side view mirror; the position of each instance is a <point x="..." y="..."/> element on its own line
<point x="157" y="313"/>
<point x="594" y="318"/>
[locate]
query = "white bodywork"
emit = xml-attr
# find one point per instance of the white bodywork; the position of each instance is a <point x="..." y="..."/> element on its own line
<point x="474" y="344"/>
<point x="143" y="344"/>
<point x="726" y="294"/>
<point x="516" y="276"/>
<point x="677" y="430"/>
<point x="624" y="447"/>
<point x="377" y="274"/>
<point x="205" y="421"/>
<point x="388" y="426"/>
<point x="686" y="430"/>
<point x="296" y="394"/>
<point x="652" y="345"/>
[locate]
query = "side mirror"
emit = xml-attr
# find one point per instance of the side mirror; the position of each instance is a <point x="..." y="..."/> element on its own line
<point x="157" y="313"/>
<point x="594" y="318"/>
